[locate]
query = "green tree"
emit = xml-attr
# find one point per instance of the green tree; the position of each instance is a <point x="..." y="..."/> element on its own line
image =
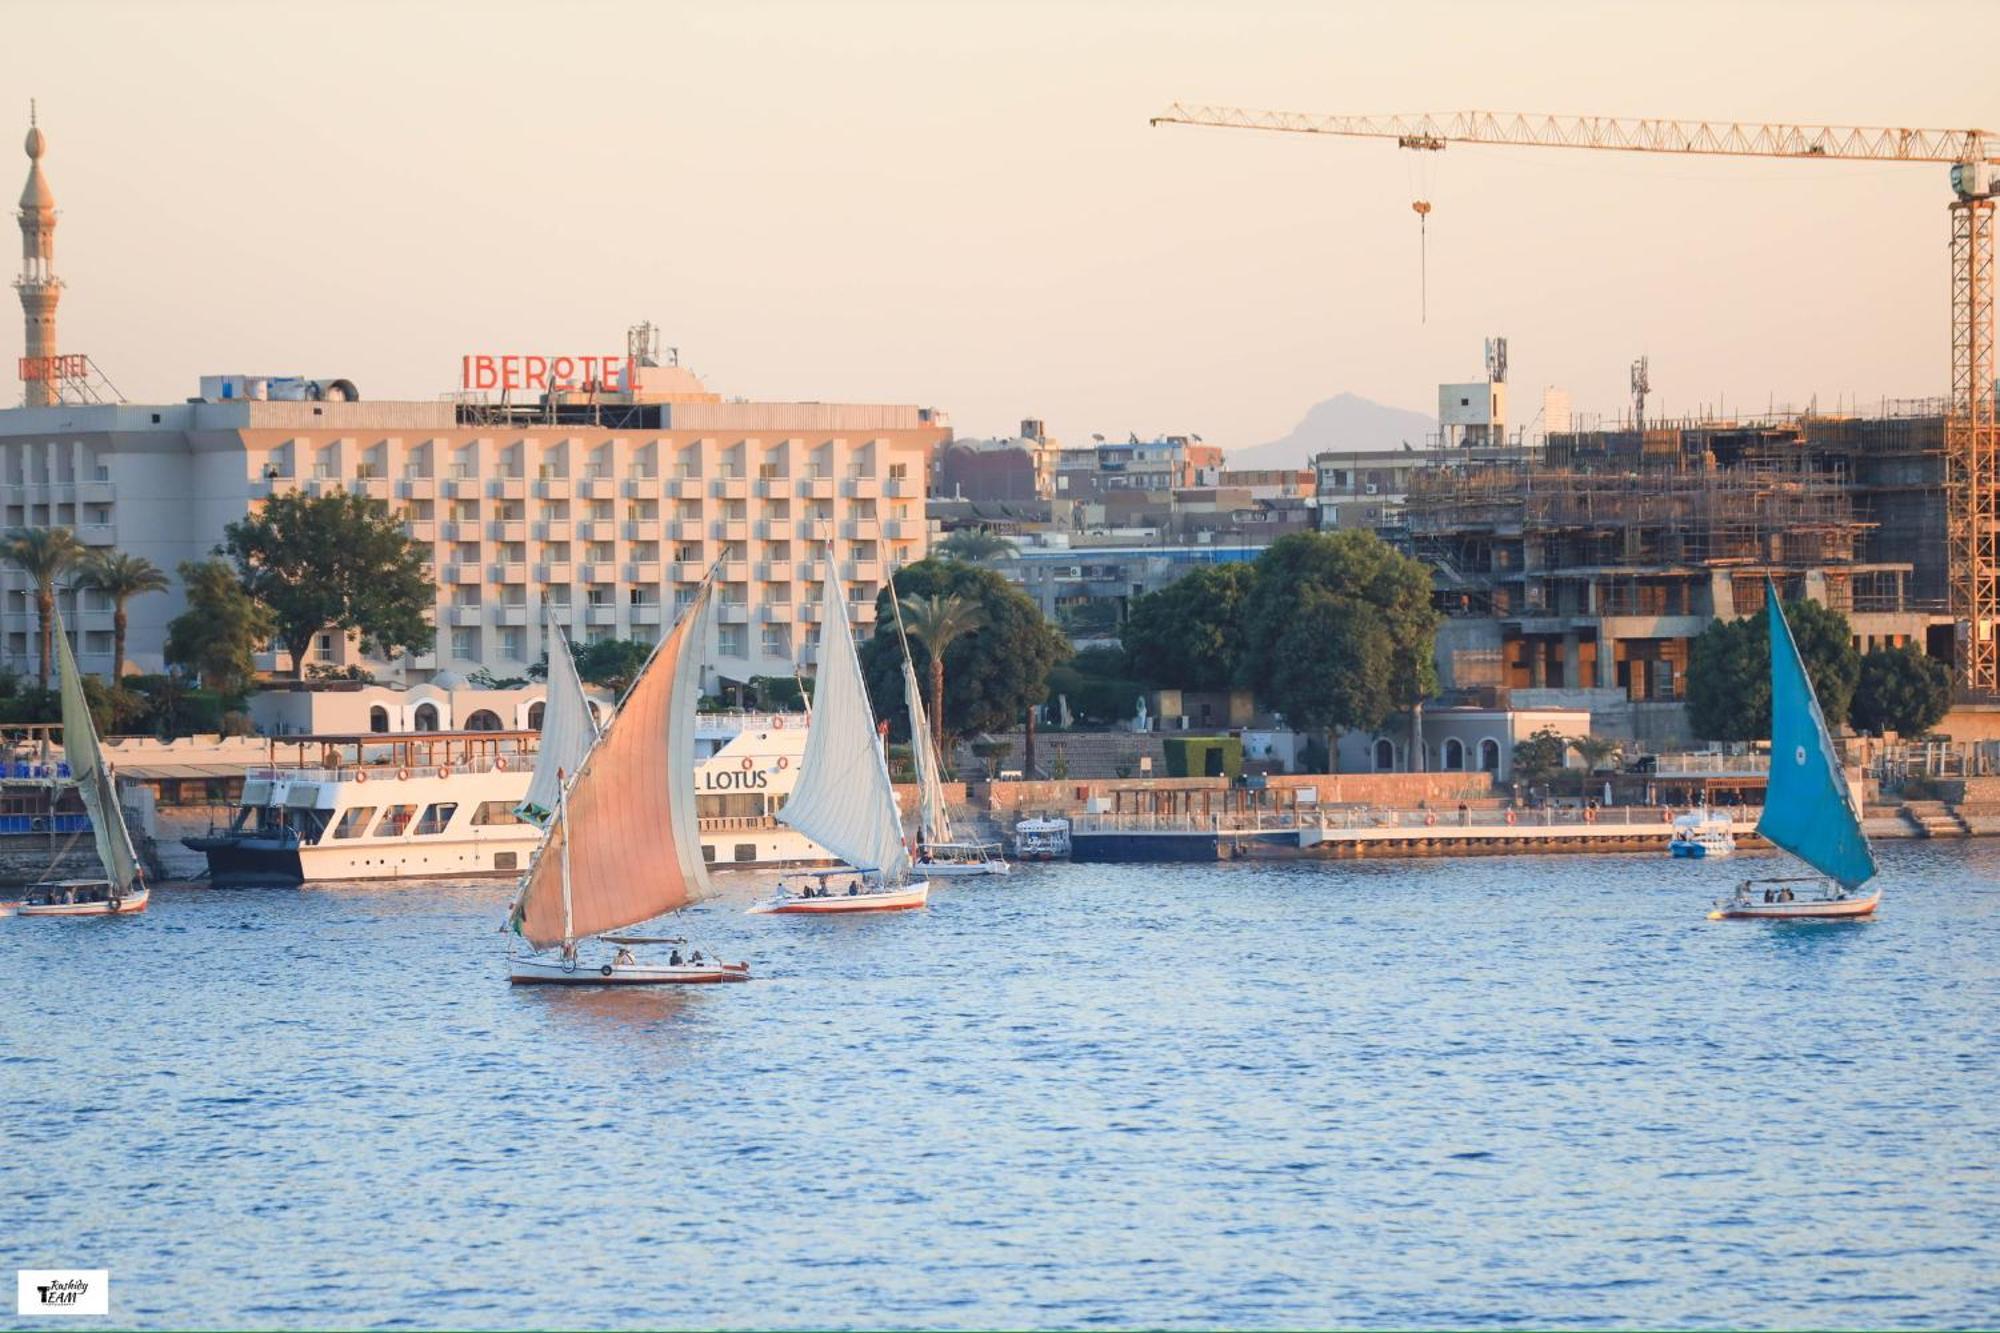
<point x="1540" y="756"/>
<point x="121" y="577"/>
<point x="1596" y="751"/>
<point x="223" y="629"/>
<point x="1729" y="671"/>
<point x="612" y="663"/>
<point x="1098" y="683"/>
<point x="1901" y="690"/>
<point x="46" y="555"/>
<point x="1189" y="634"/>
<point x="940" y="620"/>
<point x="975" y="545"/>
<point x="991" y="676"/>
<point x="1338" y="630"/>
<point x="336" y="561"/>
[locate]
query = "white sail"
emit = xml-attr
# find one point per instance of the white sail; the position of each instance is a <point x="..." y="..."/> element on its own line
<point x="626" y="847"/>
<point x="931" y="815"/>
<point x="844" y="800"/>
<point x="569" y="729"/>
<point x="94" y="782"/>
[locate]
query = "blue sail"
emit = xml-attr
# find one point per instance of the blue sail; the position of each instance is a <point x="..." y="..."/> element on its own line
<point x="1808" y="809"/>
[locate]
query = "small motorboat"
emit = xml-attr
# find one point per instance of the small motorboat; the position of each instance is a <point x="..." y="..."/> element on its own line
<point x="1777" y="900"/>
<point x="823" y="892"/>
<point x="83" y="897"/>
<point x="1701" y="834"/>
<point x="949" y="860"/>
<point x="1041" y="839"/>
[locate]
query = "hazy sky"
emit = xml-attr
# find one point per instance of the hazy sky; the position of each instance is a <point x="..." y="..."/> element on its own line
<point x="962" y="205"/>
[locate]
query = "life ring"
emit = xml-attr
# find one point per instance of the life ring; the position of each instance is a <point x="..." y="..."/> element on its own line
<point x="748" y="763"/>
<point x="1430" y="819"/>
<point x="605" y="971"/>
<point x="445" y="772"/>
<point x="1589" y="815"/>
<point x="784" y="761"/>
<point x="1666" y="816"/>
<point x="360" y="776"/>
<point x="1512" y="817"/>
<point x="402" y="775"/>
<point x="777" y="724"/>
<point x="500" y="764"/>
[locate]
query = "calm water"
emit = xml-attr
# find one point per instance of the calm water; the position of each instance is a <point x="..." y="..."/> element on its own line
<point x="1489" y="1092"/>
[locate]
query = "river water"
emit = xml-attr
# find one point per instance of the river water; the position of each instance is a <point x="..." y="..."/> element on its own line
<point x="1532" y="1091"/>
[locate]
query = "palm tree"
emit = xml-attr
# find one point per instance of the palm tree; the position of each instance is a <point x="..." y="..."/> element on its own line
<point x="46" y="554"/>
<point x="121" y="577"/>
<point x="940" y="621"/>
<point x="976" y="545"/>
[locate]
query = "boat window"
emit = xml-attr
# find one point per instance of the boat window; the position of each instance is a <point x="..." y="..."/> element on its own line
<point x="354" y="822"/>
<point x="496" y="812"/>
<point x="426" y="717"/>
<point x="746" y="851"/>
<point x="378" y="719"/>
<point x="535" y="711"/>
<point x="505" y="861"/>
<point x="483" y="720"/>
<point x="394" y="820"/>
<point x="708" y="853"/>
<point x="739" y="805"/>
<point x="436" y="816"/>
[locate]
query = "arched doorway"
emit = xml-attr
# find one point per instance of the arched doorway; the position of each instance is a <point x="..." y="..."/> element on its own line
<point x="484" y="719"/>
<point x="1385" y="756"/>
<point x="378" y="719"/>
<point x="1454" y="755"/>
<point x="1489" y="755"/>
<point x="425" y="718"/>
<point x="535" y="714"/>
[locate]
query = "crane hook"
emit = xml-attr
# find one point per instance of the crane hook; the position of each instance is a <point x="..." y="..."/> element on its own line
<point x="1422" y="208"/>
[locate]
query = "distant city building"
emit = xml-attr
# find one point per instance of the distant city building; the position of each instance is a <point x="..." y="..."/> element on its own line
<point x="1170" y="463"/>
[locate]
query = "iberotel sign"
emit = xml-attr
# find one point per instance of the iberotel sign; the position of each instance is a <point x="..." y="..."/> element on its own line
<point x="546" y="374"/>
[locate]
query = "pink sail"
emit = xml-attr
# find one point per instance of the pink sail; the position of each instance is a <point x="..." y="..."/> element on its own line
<point x="628" y="832"/>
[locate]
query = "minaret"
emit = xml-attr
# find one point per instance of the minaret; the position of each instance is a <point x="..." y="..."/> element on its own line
<point x="40" y="288"/>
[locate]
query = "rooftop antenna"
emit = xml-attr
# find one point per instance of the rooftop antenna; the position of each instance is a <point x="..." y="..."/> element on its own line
<point x="1642" y="384"/>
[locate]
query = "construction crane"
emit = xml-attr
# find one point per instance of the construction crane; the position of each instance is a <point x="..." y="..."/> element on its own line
<point x="1972" y="442"/>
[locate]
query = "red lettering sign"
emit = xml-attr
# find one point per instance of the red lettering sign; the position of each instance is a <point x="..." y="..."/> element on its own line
<point x="538" y="374"/>
<point x="35" y="369"/>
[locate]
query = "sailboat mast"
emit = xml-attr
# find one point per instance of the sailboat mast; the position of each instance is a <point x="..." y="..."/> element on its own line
<point x="562" y="814"/>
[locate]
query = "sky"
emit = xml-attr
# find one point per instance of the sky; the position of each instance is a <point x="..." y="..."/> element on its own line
<point x="961" y="204"/>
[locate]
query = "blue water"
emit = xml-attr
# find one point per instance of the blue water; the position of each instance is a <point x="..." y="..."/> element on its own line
<point x="1536" y="1091"/>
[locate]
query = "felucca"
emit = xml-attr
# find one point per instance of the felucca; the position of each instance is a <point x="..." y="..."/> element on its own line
<point x="844" y="800"/>
<point x="1809" y="809"/>
<point x="569" y="729"/>
<point x="123" y="889"/>
<point x="938" y="853"/>
<point x="622" y="846"/>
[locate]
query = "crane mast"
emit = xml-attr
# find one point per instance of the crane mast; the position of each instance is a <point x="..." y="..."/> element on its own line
<point x="1972" y="439"/>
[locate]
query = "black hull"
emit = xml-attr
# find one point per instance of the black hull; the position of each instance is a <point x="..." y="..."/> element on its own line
<point x="250" y="862"/>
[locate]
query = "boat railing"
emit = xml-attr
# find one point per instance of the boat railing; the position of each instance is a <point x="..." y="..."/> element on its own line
<point x="734" y="823"/>
<point x="1335" y="818"/>
<point x="377" y="772"/>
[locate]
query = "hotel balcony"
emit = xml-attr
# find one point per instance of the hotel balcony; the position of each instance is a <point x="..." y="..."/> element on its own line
<point x="97" y="534"/>
<point x="600" y="530"/>
<point x="811" y="612"/>
<point x="555" y="573"/>
<point x="511" y="530"/>
<point x="775" y="613"/>
<point x="467" y="615"/>
<point x="733" y="613"/>
<point x="735" y="571"/>
<point x="461" y="488"/>
<point x="515" y="614"/>
<point x="598" y="572"/>
<point x="512" y="488"/>
<point x="689" y="571"/>
<point x="596" y="614"/>
<point x="510" y="572"/>
<point x="687" y="530"/>
<point x="816" y="488"/>
<point x="95" y="492"/>
<point x="774" y="488"/>
<point x="268" y="486"/>
<point x="901" y="488"/>
<point x="375" y="488"/>
<point x="600" y="488"/>
<point x="556" y="530"/>
<point x="420" y="488"/>
<point x="685" y="488"/>
<point x="773" y="529"/>
<point x="645" y="613"/>
<point x="862" y="613"/>
<point x="643" y="571"/>
<point x="862" y="571"/>
<point x="563" y="615"/>
<point x="900" y="529"/>
<point x="642" y="530"/>
<point x="553" y="488"/>
<point x="464" y="574"/>
<point x="732" y="488"/>
<point x="733" y="530"/>
<point x="862" y="530"/>
<point x="862" y="488"/>
<point x="768" y="572"/>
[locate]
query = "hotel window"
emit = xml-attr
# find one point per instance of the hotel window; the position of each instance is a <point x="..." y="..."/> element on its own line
<point x="730" y="640"/>
<point x="513" y="644"/>
<point x="644" y="634"/>
<point x="898" y="471"/>
<point x="323" y="648"/>
<point x="776" y="642"/>
<point x="556" y="594"/>
<point x="598" y="595"/>
<point x="465" y="643"/>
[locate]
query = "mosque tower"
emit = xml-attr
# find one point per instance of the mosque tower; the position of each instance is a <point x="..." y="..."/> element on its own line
<point x="40" y="289"/>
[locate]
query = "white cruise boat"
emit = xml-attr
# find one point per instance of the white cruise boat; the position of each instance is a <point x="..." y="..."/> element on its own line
<point x="1702" y="834"/>
<point x="440" y="805"/>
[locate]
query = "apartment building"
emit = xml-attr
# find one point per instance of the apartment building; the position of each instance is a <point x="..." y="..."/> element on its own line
<point x="598" y="511"/>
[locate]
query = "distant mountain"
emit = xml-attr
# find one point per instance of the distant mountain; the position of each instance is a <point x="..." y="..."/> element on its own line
<point x="1346" y="422"/>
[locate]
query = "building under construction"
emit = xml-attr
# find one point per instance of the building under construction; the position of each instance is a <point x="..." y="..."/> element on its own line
<point x="1589" y="569"/>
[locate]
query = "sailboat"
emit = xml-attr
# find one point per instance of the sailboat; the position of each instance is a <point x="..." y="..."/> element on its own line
<point x="622" y="845"/>
<point x="844" y="800"/>
<point x="123" y="889"/>
<point x="1809" y="808"/>
<point x="937" y="853"/>
<point x="569" y="729"/>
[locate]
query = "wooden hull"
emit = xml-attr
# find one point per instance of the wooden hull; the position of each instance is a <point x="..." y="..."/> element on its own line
<point x="883" y="900"/>
<point x="554" y="972"/>
<point x="1816" y="909"/>
<point x="128" y="905"/>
